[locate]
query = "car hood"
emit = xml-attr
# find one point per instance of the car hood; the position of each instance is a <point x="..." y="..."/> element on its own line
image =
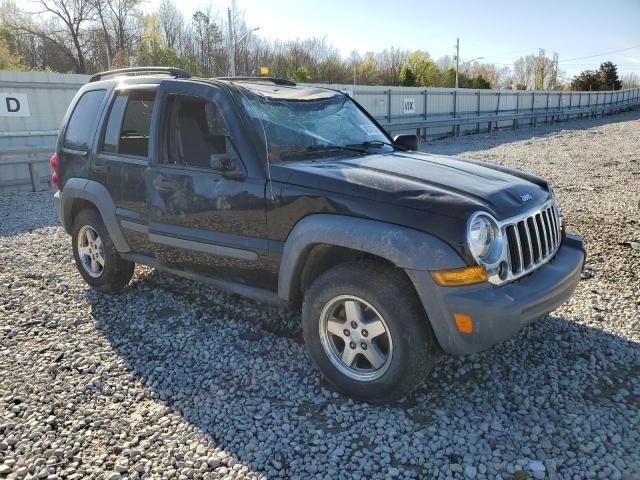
<point x="445" y="185"/>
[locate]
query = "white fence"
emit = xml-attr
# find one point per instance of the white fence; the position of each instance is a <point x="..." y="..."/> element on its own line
<point x="32" y="105"/>
<point x="438" y="111"/>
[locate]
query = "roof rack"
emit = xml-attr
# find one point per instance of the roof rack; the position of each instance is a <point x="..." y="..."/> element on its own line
<point x="275" y="81"/>
<point x="174" y="72"/>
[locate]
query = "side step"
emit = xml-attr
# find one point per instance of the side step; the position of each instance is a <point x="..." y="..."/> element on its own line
<point x="257" y="294"/>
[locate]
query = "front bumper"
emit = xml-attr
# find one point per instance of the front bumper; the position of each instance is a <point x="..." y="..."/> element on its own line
<point x="499" y="312"/>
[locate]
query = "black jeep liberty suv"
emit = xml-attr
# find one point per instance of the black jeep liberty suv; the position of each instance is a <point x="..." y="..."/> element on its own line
<point x="296" y="194"/>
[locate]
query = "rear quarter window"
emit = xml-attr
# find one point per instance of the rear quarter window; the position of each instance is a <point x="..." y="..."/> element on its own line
<point x="129" y="124"/>
<point x="82" y="123"/>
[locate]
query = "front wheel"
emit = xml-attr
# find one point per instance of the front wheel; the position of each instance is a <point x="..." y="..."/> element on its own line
<point x="96" y="256"/>
<point x="367" y="332"/>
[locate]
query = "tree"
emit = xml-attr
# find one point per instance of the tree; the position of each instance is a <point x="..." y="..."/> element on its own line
<point x="8" y="59"/>
<point x="605" y="78"/>
<point x="407" y="77"/>
<point x="608" y="77"/>
<point x="479" y="82"/>
<point x="171" y="23"/>
<point x="119" y="23"/>
<point x="630" y="80"/>
<point x="586" y="81"/>
<point x="207" y="37"/>
<point x="67" y="28"/>
<point x="426" y="71"/>
<point x="120" y="59"/>
<point x="367" y="70"/>
<point x="390" y="63"/>
<point x="300" y="75"/>
<point x="536" y="72"/>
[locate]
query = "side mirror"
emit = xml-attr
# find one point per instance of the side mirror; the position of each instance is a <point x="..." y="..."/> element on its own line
<point x="409" y="142"/>
<point x="226" y="164"/>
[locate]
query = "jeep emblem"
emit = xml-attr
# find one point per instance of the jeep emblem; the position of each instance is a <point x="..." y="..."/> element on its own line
<point x="526" y="198"/>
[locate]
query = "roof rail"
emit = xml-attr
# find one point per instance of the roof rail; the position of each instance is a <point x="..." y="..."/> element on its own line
<point x="174" y="72"/>
<point x="274" y="80"/>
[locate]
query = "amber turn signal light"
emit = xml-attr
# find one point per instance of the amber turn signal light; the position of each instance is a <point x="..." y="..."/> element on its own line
<point x="459" y="276"/>
<point x="464" y="323"/>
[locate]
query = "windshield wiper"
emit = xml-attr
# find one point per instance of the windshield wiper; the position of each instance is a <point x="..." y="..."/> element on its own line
<point x="322" y="148"/>
<point x="374" y="144"/>
<point x="332" y="146"/>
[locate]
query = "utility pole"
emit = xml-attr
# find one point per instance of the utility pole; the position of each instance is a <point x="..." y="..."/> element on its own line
<point x="232" y="46"/>
<point x="457" y="59"/>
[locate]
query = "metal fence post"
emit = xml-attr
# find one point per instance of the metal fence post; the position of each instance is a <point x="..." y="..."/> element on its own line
<point x="546" y="119"/>
<point x="455" y="104"/>
<point x="33" y="173"/>
<point x="389" y="105"/>
<point x="455" y="112"/>
<point x="478" y="125"/>
<point x="560" y="106"/>
<point x="533" y="100"/>
<point x="533" y="107"/>
<point x="426" y="104"/>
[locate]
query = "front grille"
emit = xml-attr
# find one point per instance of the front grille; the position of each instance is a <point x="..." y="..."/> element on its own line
<point x="532" y="239"/>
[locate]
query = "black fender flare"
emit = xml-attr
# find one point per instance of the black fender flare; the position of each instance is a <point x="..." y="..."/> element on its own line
<point x="98" y="195"/>
<point x="405" y="247"/>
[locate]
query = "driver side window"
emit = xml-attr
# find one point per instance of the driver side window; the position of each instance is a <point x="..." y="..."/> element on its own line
<point x="197" y="135"/>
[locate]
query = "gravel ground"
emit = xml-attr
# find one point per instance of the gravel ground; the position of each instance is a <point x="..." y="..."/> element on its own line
<point x="173" y="379"/>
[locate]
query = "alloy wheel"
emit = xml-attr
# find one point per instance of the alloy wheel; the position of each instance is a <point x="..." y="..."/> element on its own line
<point x="90" y="251"/>
<point x="356" y="338"/>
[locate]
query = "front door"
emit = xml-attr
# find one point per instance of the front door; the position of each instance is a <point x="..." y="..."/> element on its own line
<point x="207" y="213"/>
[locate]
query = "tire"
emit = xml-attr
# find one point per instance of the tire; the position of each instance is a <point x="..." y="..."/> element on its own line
<point x="378" y="292"/>
<point x="92" y="247"/>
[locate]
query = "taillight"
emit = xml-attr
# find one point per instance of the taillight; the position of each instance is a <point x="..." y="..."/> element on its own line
<point x="55" y="178"/>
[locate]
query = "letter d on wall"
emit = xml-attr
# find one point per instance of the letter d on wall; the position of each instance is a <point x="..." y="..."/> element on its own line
<point x="14" y="105"/>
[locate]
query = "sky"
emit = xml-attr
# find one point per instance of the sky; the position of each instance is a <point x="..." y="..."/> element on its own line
<point x="500" y="31"/>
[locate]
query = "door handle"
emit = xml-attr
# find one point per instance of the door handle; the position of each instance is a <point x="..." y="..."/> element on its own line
<point x="73" y="151"/>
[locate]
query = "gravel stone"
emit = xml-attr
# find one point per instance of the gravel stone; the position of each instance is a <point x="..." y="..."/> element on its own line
<point x="470" y="471"/>
<point x="174" y="379"/>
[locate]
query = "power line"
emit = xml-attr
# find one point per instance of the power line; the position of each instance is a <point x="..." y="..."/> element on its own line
<point x="601" y="54"/>
<point x="581" y="58"/>
<point x="628" y="65"/>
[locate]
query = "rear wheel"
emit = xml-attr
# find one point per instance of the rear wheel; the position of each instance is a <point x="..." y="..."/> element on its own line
<point x="96" y="257"/>
<point x="367" y="332"/>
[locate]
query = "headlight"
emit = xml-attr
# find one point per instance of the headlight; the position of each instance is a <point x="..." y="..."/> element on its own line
<point x="484" y="238"/>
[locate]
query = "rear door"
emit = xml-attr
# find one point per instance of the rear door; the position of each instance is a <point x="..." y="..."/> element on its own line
<point x="122" y="157"/>
<point x="207" y="209"/>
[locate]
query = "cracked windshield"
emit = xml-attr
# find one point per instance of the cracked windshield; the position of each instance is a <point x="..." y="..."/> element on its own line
<point x="300" y="129"/>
